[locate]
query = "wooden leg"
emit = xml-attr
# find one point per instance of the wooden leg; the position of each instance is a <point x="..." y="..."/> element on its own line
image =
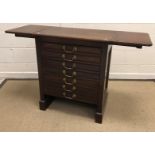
<point x="98" y="114"/>
<point x="45" y="102"/>
<point x="102" y="83"/>
<point x="100" y="108"/>
<point x="102" y="102"/>
<point x="98" y="117"/>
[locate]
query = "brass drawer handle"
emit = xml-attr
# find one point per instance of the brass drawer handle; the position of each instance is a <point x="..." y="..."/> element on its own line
<point x="64" y="87"/>
<point x="73" y="88"/>
<point x="69" y="76"/>
<point x="67" y="83"/>
<point x="68" y="68"/>
<point x="67" y="51"/>
<point x="72" y="97"/>
<point x="69" y="60"/>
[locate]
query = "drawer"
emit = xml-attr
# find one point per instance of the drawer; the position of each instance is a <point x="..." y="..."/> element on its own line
<point x="81" y="82"/>
<point x="83" y="94"/>
<point x="59" y="65"/>
<point x="71" y="73"/>
<point x="62" y="47"/>
<point x="88" y="55"/>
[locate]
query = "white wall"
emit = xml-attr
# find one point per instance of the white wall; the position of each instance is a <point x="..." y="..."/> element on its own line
<point x="18" y="56"/>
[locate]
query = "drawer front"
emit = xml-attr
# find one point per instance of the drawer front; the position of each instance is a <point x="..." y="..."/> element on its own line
<point x="80" y="49"/>
<point x="81" y="82"/>
<point x="58" y="65"/>
<point x="75" y="73"/>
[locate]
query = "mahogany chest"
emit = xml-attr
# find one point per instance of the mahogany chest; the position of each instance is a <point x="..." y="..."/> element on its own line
<point x="74" y="63"/>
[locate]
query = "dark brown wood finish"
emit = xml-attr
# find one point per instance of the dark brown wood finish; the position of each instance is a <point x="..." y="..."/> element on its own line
<point x="44" y="99"/>
<point x="74" y="63"/>
<point x="106" y="36"/>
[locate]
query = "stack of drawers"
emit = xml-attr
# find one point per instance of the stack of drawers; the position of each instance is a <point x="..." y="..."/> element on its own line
<point x="71" y="71"/>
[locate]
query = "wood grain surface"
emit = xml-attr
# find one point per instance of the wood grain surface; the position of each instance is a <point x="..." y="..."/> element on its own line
<point x="111" y="37"/>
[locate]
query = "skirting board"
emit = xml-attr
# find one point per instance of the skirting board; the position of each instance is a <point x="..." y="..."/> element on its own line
<point x="34" y="75"/>
<point x="2" y="81"/>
